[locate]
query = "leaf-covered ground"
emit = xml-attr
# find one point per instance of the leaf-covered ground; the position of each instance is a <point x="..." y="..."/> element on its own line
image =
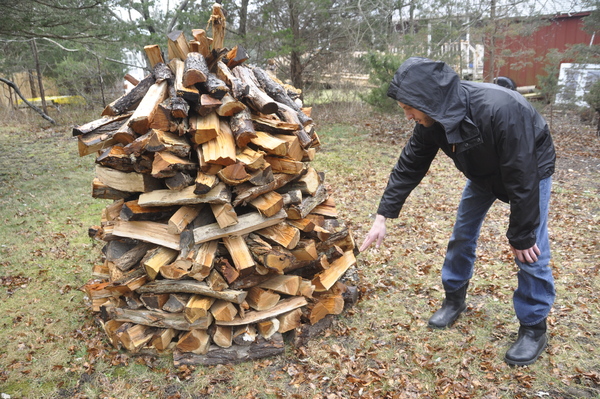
<point x="380" y="348"/>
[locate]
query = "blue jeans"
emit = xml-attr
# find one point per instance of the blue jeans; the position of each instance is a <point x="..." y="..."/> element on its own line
<point x="535" y="292"/>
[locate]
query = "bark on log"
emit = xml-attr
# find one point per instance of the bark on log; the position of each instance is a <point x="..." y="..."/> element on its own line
<point x="214" y="86"/>
<point x="133" y="211"/>
<point x="279" y="94"/>
<point x="246" y="224"/>
<point x="195" y="69"/>
<point x="242" y="128"/>
<point x="191" y="287"/>
<point x="132" y="258"/>
<point x="247" y="192"/>
<point x="284" y="306"/>
<point x="238" y="88"/>
<point x="163" y="72"/>
<point x="218" y="195"/>
<point x="158" y="319"/>
<point x="257" y="98"/>
<point x="234" y="354"/>
<point x="131" y="99"/>
<point x="107" y="123"/>
<point x="115" y="158"/>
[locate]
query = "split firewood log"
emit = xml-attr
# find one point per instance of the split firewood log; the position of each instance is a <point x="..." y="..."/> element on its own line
<point x="207" y="104"/>
<point x="176" y="303"/>
<point x="230" y="106"/>
<point x="236" y="56"/>
<point x="195" y="69"/>
<point x="201" y="42"/>
<point x="195" y="341"/>
<point x="279" y="94"/>
<point x="133" y="211"/>
<point x="190" y="93"/>
<point x="162" y="338"/>
<point x="242" y="128"/>
<point x="192" y="287"/>
<point x="154" y="54"/>
<point x="235" y="174"/>
<point x="131" y="99"/>
<point x="115" y="158"/>
<point x="214" y="86"/>
<point x="144" y="113"/>
<point x="274" y="258"/>
<point x="177" y="45"/>
<point x="257" y="98"/>
<point x="239" y="89"/>
<point x="204" y="128"/>
<point x="223" y="310"/>
<point x="246" y="192"/>
<point x="221" y="149"/>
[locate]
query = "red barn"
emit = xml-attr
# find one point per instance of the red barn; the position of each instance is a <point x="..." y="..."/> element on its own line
<point x="523" y="57"/>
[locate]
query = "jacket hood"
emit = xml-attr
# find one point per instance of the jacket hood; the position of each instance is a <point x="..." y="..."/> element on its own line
<point x="434" y="88"/>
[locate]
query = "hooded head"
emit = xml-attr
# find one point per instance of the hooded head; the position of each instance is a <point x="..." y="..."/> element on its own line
<point x="431" y="87"/>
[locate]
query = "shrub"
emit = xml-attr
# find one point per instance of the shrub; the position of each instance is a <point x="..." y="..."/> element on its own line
<point x="592" y="97"/>
<point x="381" y="71"/>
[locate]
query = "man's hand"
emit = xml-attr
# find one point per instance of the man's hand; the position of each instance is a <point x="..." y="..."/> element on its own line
<point x="529" y="255"/>
<point x="376" y="234"/>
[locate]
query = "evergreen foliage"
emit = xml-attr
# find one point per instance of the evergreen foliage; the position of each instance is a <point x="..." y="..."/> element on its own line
<point x="592" y="97"/>
<point x="382" y="67"/>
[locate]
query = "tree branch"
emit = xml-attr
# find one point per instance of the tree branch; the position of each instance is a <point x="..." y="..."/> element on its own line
<point x="33" y="107"/>
<point x="91" y="52"/>
<point x="50" y="5"/>
<point x="181" y="7"/>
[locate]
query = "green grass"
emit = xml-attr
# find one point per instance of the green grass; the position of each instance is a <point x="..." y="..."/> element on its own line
<point x="380" y="348"/>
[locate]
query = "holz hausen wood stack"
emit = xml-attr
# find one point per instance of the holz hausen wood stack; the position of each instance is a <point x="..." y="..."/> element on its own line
<point x="221" y="237"/>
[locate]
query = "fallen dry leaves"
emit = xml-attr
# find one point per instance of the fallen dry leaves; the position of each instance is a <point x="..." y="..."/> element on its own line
<point x="382" y="348"/>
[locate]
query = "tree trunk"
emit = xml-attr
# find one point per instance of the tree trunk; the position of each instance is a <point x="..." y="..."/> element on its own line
<point x="32" y="86"/>
<point x="243" y="19"/>
<point x="490" y="77"/>
<point x="39" y="76"/>
<point x="101" y="81"/>
<point x="295" y="61"/>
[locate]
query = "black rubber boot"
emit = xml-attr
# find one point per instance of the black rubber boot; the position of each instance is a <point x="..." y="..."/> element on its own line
<point x="530" y="344"/>
<point x="452" y="307"/>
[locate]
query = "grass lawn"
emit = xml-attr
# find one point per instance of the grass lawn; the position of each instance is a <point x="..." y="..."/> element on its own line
<point x="380" y="348"/>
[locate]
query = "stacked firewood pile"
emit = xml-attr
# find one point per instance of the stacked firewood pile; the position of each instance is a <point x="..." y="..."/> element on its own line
<point x="220" y="236"/>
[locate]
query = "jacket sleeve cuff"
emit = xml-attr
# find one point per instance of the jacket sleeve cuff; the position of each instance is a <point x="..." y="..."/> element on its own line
<point x="523" y="244"/>
<point x="387" y="213"/>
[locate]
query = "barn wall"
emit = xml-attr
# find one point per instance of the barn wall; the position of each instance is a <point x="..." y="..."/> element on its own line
<point x="529" y="51"/>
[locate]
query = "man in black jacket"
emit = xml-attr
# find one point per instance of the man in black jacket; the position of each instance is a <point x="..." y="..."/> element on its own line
<point x="504" y="148"/>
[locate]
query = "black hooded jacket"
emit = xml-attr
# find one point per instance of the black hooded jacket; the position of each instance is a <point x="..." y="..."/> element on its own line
<point x="493" y="135"/>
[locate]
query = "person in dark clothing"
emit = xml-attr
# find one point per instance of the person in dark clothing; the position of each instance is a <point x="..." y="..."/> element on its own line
<point x="504" y="148"/>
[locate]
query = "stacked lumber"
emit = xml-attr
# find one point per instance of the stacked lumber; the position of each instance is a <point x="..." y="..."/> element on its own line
<point x="220" y="237"/>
